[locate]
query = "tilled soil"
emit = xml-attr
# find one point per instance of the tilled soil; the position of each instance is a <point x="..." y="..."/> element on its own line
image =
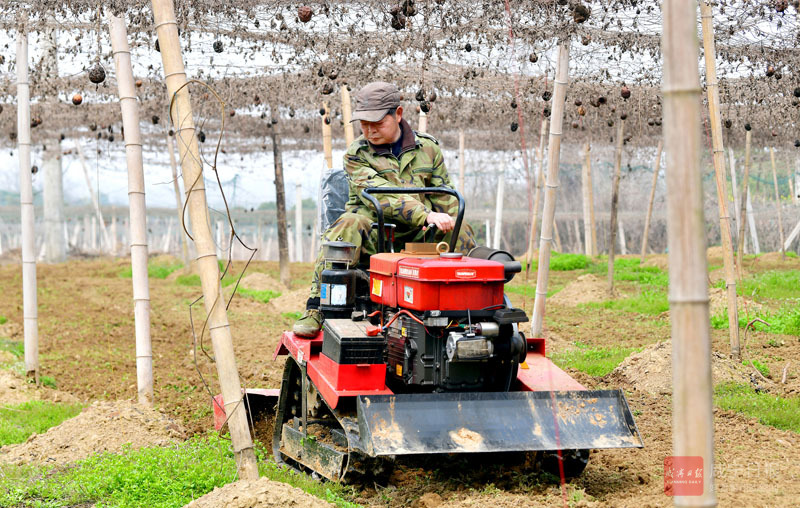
<point x="87" y="346"/>
<point x="262" y="493"/>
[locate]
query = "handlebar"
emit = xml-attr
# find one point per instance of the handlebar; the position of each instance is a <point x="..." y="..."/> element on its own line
<point x="368" y="195"/>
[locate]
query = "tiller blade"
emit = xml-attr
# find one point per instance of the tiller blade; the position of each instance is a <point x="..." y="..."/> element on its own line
<point x="495" y="422"/>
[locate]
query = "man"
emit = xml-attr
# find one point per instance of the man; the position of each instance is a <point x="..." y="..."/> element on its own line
<point x="388" y="154"/>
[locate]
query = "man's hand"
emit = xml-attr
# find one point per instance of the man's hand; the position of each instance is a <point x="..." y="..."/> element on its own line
<point x="442" y="221"/>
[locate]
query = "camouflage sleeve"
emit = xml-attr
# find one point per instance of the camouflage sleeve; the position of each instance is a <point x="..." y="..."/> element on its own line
<point x="439" y="178"/>
<point x="403" y="208"/>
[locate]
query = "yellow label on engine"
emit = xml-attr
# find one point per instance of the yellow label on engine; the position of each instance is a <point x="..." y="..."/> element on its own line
<point x="377" y="287"/>
<point x="403" y="332"/>
<point x="399" y="369"/>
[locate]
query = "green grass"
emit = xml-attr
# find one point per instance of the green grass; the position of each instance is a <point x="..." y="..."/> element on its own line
<point x="563" y="262"/>
<point x="649" y="302"/>
<point x="15" y="347"/>
<point x="785" y="320"/>
<point x="294" y="316"/>
<point x="760" y="367"/>
<point x="193" y="279"/>
<point x="774" y="284"/>
<point x="3" y="320"/>
<point x="18" y="422"/>
<point x="594" y="361"/>
<point x="154" y="271"/>
<point x="530" y="291"/>
<point x="768" y="409"/>
<point x="260" y="296"/>
<point x="158" y="477"/>
<point x="630" y="269"/>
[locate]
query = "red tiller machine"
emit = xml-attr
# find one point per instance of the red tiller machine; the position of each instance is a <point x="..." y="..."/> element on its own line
<point x="422" y="354"/>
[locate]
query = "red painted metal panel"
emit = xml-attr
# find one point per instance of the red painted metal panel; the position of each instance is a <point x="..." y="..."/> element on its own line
<point x="219" y="404"/>
<point x="335" y="381"/>
<point x="543" y="375"/>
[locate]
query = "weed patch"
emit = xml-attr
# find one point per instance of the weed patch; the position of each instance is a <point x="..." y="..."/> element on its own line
<point x="769" y="409"/>
<point x="18" y="422"/>
<point x="650" y="302"/>
<point x="3" y="320"/>
<point x="563" y="262"/>
<point x="15" y="347"/>
<point x="774" y="284"/>
<point x="158" y="477"/>
<point x="194" y="280"/>
<point x="294" y="316"/>
<point x="594" y="361"/>
<point x="260" y="296"/>
<point x="154" y="271"/>
<point x="785" y="320"/>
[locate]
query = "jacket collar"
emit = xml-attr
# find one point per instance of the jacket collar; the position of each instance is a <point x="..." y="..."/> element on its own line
<point x="408" y="138"/>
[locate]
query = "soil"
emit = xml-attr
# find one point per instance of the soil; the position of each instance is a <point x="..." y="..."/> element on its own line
<point x="586" y="288"/>
<point x="86" y="329"/>
<point x="651" y="369"/>
<point x="104" y="426"/>
<point x="262" y="493"/>
<point x="15" y="389"/>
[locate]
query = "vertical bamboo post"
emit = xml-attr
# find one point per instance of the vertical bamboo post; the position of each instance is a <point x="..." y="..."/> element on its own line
<point x="423" y="122"/>
<point x="745" y="197"/>
<point x="218" y="326"/>
<point x="614" y="206"/>
<point x="692" y="410"/>
<point x="777" y="200"/>
<point x="298" y="222"/>
<point x="656" y="170"/>
<point x="347" y="115"/>
<point x="327" y="136"/>
<point x="280" y="205"/>
<point x="29" y="304"/>
<point x="751" y="222"/>
<point x="538" y="179"/>
<point x="554" y="156"/>
<point x="735" y="189"/>
<point x="586" y="184"/>
<point x="95" y="203"/>
<point x="137" y="207"/>
<point x="178" y="202"/>
<point x="712" y="89"/>
<point x="498" y="207"/>
<point x="461" y="163"/>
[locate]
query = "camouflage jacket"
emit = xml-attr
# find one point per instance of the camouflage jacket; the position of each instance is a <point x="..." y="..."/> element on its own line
<point x="420" y="165"/>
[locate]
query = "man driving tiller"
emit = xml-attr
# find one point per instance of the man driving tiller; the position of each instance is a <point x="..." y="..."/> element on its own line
<point x="388" y="154"/>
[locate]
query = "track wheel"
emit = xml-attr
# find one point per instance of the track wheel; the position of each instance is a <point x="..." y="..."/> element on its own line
<point x="290" y="405"/>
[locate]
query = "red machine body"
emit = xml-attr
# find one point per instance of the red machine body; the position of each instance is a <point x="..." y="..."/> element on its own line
<point x="428" y="282"/>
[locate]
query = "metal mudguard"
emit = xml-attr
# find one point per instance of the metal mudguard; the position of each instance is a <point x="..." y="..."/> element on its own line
<point x="495" y="422"/>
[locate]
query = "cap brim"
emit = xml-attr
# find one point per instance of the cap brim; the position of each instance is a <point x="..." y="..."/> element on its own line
<point x="369" y="116"/>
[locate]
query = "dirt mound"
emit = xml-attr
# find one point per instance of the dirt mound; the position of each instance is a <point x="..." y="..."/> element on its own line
<point x="660" y="261"/>
<point x="715" y="252"/>
<point x="262" y="493"/>
<point x="291" y="301"/>
<point x="16" y="390"/>
<point x="258" y="281"/>
<point x="11" y="330"/>
<point x="718" y="303"/>
<point x="586" y="288"/>
<point x="103" y="426"/>
<point x="651" y="369"/>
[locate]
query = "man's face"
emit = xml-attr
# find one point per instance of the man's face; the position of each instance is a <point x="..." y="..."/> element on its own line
<point x="384" y="131"/>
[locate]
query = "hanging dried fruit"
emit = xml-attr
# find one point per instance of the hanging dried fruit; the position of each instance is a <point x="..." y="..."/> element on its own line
<point x="770" y="70"/>
<point x="581" y="110"/>
<point x="586" y="39"/>
<point x="747" y="127"/>
<point x="77" y="99"/>
<point x="546" y="95"/>
<point x="36" y="121"/>
<point x="34" y="169"/>
<point x="781" y="5"/>
<point x="321" y="111"/>
<point x="432" y="96"/>
<point x="92" y="126"/>
<point x="623" y="116"/>
<point x="306" y="129"/>
<point x="139" y="83"/>
<point x="728" y="124"/>
<point x="398" y="20"/>
<point x="611" y="123"/>
<point x="420" y="95"/>
<point x="97" y="74"/>
<point x="514" y="126"/>
<point x="797" y="91"/>
<point x="327" y="89"/>
<point x="327" y="121"/>
<point x="797" y="142"/>
<point x="155" y="119"/>
<point x="533" y="58"/>
<point x="513" y="104"/>
<point x="578" y="102"/>
<point x="467" y="47"/>
<point x="158" y="48"/>
<point x="601" y="100"/>
<point x="409" y="9"/>
<point x="304" y="12"/>
<point x="594" y="102"/>
<point x="333" y="74"/>
<point x="546" y="112"/>
<point x="232" y="113"/>
<point x="424" y="106"/>
<point x="201" y="136"/>
<point x="574" y="125"/>
<point x="625" y="92"/>
<point x="217" y="46"/>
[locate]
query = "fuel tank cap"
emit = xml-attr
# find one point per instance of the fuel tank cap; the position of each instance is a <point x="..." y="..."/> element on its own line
<point x="451" y="255"/>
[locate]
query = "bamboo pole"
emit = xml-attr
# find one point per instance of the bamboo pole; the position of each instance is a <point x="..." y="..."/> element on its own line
<point x="777" y="201"/>
<point x="461" y="143"/>
<point x="137" y="208"/>
<point x="554" y="155"/>
<point x="178" y="202"/>
<point x="95" y="203"/>
<point x="423" y="122"/>
<point x="751" y="223"/>
<point x="712" y="89"/>
<point x="538" y="178"/>
<point x="735" y="189"/>
<point x="29" y="303"/>
<point x="347" y="115"/>
<point x="327" y="136"/>
<point x="498" y="208"/>
<point x="745" y="196"/>
<point x="656" y="170"/>
<point x="586" y="184"/>
<point x="692" y="410"/>
<point x="614" y="206"/>
<point x="298" y="222"/>
<point x="218" y="326"/>
<point x="280" y="205"/>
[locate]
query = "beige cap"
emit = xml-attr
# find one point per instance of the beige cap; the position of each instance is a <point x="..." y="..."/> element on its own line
<point x="376" y="99"/>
